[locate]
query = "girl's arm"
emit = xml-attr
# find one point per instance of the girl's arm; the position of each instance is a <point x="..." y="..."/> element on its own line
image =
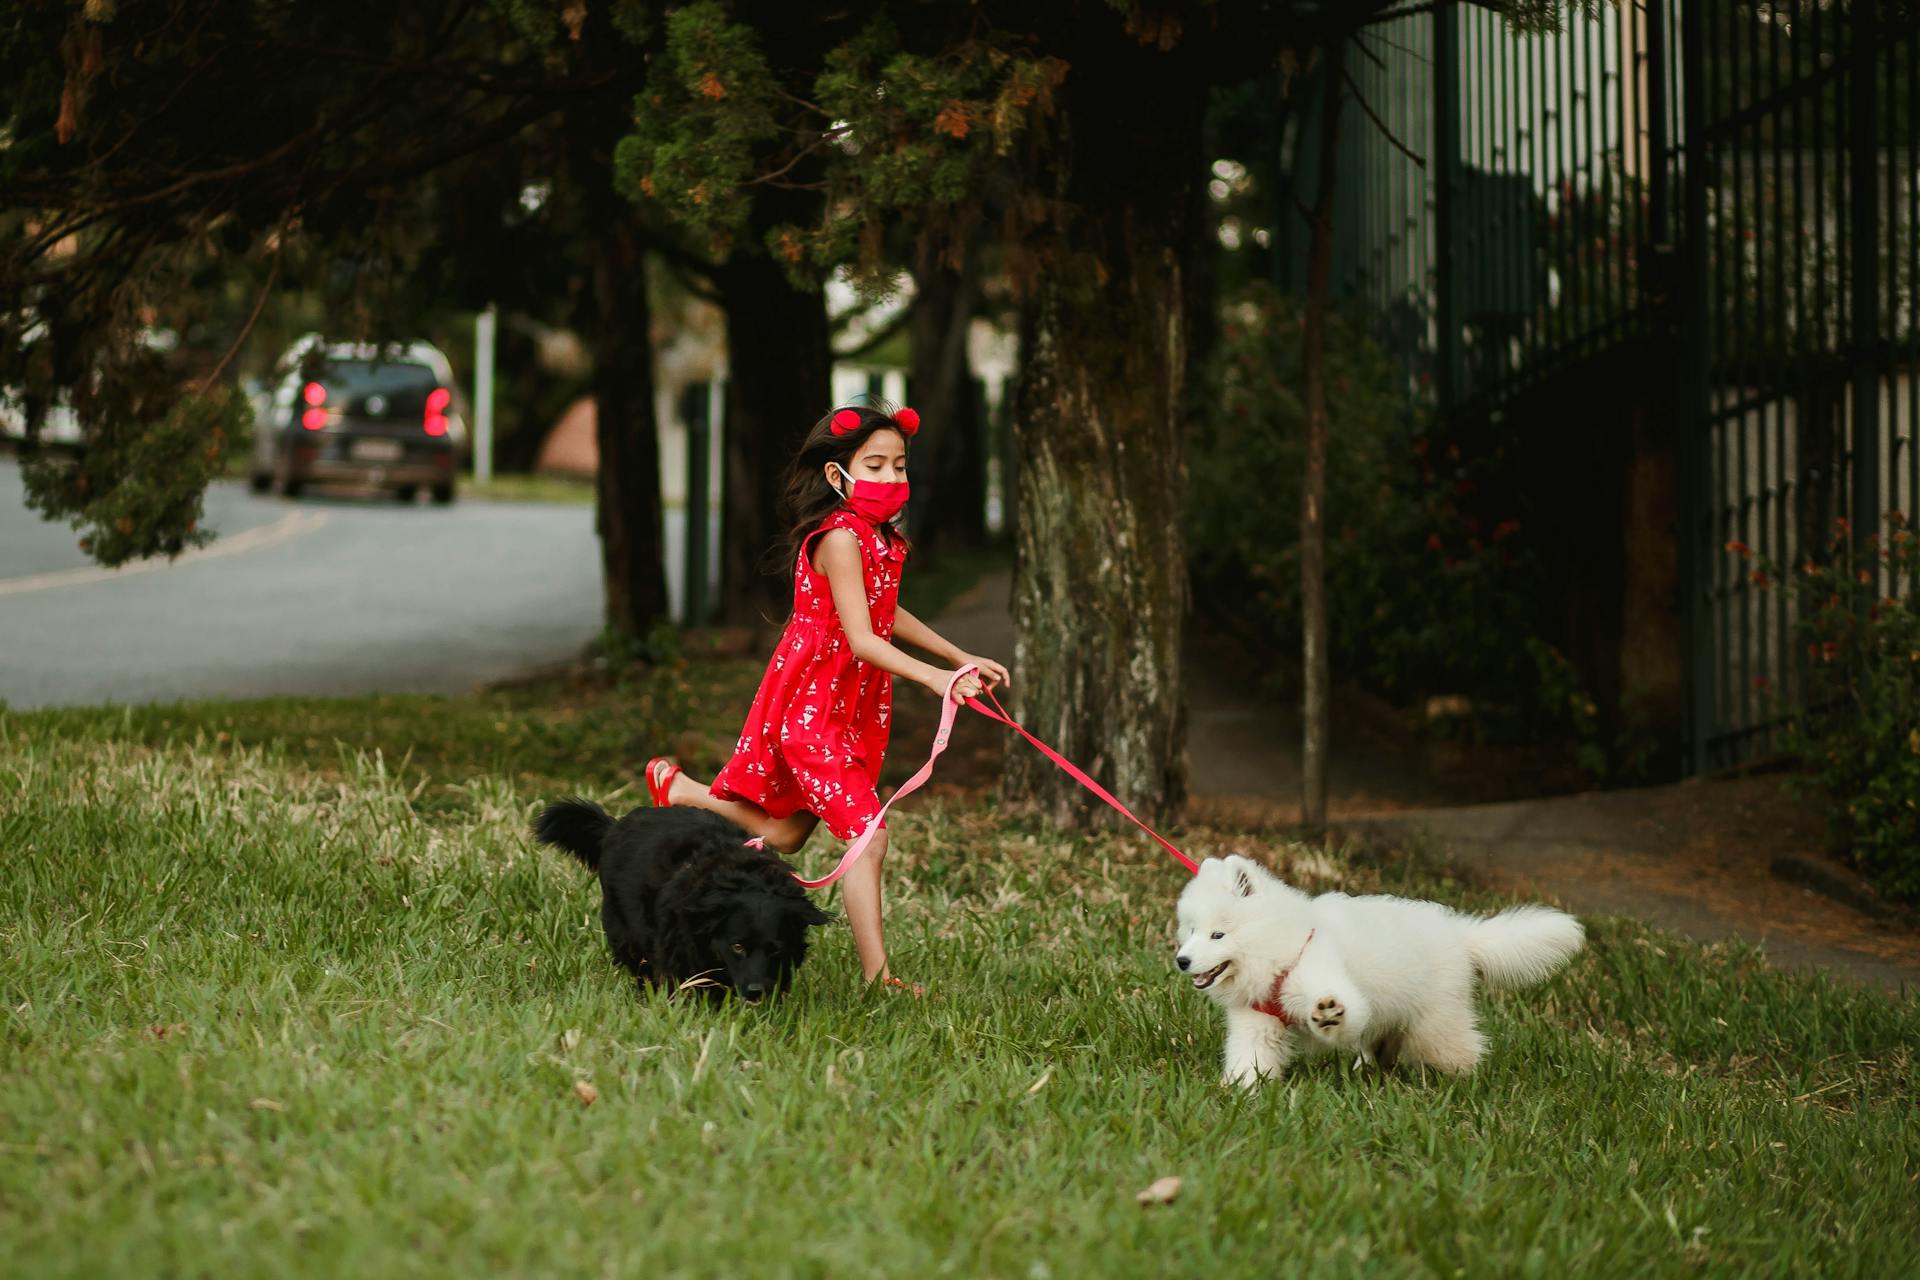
<point x="838" y="557"/>
<point x="921" y="636"/>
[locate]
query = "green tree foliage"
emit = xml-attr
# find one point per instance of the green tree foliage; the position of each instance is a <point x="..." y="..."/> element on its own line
<point x="391" y="161"/>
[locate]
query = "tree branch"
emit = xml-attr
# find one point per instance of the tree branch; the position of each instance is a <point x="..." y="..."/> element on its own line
<point x="1378" y="123"/>
<point x="259" y="305"/>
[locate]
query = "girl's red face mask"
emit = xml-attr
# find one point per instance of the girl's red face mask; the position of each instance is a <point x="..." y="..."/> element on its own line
<point x="876" y="500"/>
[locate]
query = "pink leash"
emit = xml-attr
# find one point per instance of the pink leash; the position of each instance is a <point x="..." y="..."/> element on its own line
<point x="948" y="709"/>
<point x="1074" y="771"/>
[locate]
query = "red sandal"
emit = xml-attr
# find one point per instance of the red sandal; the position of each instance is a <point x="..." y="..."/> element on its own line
<point x="660" y="781"/>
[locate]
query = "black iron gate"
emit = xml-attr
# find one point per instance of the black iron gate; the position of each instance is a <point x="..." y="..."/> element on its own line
<point x="1799" y="252"/>
<point x="1729" y="184"/>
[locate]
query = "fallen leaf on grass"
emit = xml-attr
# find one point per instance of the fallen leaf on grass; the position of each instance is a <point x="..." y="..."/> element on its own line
<point x="584" y="1091"/>
<point x="569" y="1039"/>
<point x="1161" y="1192"/>
<point x="267" y="1104"/>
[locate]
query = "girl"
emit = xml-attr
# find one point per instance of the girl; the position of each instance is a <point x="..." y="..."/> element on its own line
<point x="815" y="735"/>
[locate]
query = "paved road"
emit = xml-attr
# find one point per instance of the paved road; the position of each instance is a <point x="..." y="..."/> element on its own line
<point x="326" y="595"/>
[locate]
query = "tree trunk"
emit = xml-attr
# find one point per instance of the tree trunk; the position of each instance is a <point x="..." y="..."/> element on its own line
<point x="949" y="480"/>
<point x="1100" y="591"/>
<point x="1316" y="679"/>
<point x="779" y="369"/>
<point x="631" y="546"/>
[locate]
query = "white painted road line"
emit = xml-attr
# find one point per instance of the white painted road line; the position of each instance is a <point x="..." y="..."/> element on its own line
<point x="288" y="527"/>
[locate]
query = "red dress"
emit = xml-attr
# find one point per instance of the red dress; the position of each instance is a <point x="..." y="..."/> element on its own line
<point x="817" y="730"/>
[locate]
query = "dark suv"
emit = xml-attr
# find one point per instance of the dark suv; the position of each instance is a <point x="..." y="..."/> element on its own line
<point x="373" y="417"/>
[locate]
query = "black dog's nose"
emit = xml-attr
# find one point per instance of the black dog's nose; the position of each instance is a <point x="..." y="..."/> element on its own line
<point x="1183" y="962"/>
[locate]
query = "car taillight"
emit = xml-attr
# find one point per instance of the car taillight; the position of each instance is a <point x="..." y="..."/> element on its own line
<point x="437" y="401"/>
<point x="313" y="417"/>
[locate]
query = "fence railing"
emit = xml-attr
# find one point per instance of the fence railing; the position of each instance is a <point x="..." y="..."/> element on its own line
<point x="1732" y="183"/>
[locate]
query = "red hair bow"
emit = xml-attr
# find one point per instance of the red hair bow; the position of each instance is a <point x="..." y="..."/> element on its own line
<point x="847" y="421"/>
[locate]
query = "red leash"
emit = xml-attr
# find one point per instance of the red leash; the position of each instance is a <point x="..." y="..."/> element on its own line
<point x="1077" y="774"/>
<point x="948" y="708"/>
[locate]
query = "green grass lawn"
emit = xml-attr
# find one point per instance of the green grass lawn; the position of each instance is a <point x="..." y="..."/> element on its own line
<point x="277" y="1005"/>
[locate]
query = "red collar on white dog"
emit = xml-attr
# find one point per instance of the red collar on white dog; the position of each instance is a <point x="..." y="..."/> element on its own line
<point x="1271" y="1005"/>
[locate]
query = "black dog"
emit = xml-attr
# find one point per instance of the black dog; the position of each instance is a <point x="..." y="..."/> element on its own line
<point x="684" y="900"/>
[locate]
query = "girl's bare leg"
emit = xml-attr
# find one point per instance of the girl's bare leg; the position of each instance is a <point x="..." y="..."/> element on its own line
<point x="783" y="834"/>
<point x="860" y="890"/>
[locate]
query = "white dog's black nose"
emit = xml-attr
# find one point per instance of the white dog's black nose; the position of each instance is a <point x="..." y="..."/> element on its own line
<point x="1183" y="962"/>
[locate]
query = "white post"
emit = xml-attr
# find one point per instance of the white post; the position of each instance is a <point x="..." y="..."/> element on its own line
<point x="483" y="335"/>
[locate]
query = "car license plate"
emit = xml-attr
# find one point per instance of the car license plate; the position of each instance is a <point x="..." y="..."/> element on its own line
<point x="376" y="451"/>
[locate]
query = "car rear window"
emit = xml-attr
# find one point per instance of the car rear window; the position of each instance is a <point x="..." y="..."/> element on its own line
<point x="383" y="389"/>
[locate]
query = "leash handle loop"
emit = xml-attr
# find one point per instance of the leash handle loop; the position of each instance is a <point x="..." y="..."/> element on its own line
<point x="948" y="709"/>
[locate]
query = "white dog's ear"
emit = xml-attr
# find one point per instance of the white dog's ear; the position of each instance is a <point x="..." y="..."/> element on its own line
<point x="1244" y="882"/>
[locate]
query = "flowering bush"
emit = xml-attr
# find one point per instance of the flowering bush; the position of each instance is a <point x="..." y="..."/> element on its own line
<point x="1854" y="725"/>
<point x="1426" y="593"/>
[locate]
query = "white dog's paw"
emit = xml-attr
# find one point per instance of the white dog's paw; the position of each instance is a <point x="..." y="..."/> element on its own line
<point x="1246" y="1074"/>
<point x="1328" y="1017"/>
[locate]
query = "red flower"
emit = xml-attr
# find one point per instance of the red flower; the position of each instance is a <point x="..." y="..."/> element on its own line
<point x="1842" y="526"/>
<point x="1829" y="650"/>
<point x="1433" y="542"/>
<point x="1740" y="549"/>
<point x="1758" y="577"/>
<point x="1505" y="529"/>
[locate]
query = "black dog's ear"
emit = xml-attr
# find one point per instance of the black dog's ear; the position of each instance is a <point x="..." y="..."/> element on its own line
<point x="809" y="914"/>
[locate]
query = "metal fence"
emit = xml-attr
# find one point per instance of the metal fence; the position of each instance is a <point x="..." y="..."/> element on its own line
<point x="1734" y="184"/>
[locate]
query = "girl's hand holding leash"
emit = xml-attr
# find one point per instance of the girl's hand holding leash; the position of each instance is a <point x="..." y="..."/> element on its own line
<point x="992" y="673"/>
<point x="989" y="675"/>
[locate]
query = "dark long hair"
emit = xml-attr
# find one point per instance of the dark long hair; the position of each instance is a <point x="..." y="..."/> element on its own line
<point x="807" y="498"/>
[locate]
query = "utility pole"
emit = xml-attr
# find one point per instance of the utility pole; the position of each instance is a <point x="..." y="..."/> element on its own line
<point x="484" y="328"/>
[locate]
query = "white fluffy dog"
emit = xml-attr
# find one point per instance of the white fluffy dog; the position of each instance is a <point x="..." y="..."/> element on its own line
<point x="1381" y="977"/>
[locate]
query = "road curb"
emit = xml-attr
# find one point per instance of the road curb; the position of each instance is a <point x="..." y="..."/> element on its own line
<point x="297" y="524"/>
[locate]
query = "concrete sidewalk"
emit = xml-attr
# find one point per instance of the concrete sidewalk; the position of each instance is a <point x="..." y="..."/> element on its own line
<point x="1695" y="857"/>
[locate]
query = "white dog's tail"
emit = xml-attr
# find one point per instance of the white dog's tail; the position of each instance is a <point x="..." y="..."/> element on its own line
<point x="1524" y="945"/>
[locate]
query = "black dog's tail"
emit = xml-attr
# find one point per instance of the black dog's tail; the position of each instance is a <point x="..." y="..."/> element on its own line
<point x="576" y="825"/>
